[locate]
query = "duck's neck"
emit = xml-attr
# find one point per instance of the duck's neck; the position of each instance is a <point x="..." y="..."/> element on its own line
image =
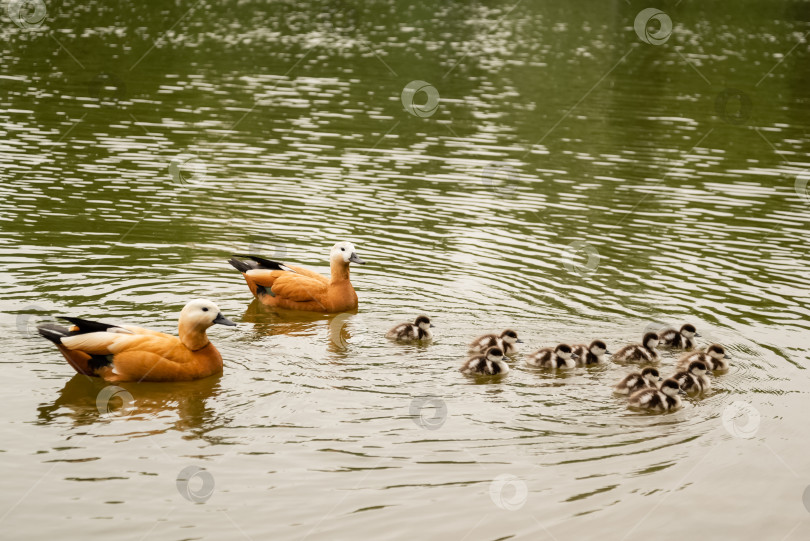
<point x="191" y="336"/>
<point x="339" y="271"/>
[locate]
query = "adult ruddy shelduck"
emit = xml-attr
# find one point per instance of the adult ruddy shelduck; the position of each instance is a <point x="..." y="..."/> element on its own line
<point x="128" y="353"/>
<point x="296" y="288"/>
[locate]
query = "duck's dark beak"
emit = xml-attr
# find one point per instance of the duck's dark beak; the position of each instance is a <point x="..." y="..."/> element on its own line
<point x="660" y="379"/>
<point x="608" y="352"/>
<point x="222" y="320"/>
<point x="519" y="341"/>
<point x="727" y="356"/>
<point x="432" y="325"/>
<point x="698" y="335"/>
<point x="681" y="391"/>
<point x="356" y="259"/>
<point x="575" y="356"/>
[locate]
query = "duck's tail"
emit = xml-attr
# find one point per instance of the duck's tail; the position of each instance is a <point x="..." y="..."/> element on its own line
<point x="256" y="262"/>
<point x="80" y="361"/>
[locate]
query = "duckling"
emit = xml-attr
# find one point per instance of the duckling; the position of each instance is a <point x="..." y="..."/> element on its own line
<point x="561" y="356"/>
<point x="507" y="341"/>
<point x="490" y="364"/>
<point x="664" y="399"/>
<point x="593" y="354"/>
<point x="715" y="358"/>
<point x="683" y="339"/>
<point x="647" y="378"/>
<point x="694" y="380"/>
<point x="411" y="332"/>
<point x="640" y="352"/>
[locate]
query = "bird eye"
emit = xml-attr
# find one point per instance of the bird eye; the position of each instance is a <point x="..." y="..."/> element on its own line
<point x="205" y="309"/>
<point x="343" y="249"/>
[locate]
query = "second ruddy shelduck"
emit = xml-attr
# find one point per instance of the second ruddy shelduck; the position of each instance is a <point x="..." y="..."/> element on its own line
<point x="128" y="353"/>
<point x="297" y="288"/>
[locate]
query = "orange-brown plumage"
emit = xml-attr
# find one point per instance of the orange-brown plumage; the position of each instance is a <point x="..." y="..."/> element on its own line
<point x="127" y="353"/>
<point x="297" y="288"/>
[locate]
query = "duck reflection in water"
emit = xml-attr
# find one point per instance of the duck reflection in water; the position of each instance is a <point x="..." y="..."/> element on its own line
<point x="343" y="330"/>
<point x="89" y="400"/>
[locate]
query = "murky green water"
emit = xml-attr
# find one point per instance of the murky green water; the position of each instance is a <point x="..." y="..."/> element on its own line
<point x="561" y="177"/>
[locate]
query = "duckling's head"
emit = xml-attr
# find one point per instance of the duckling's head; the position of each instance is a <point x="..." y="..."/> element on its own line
<point x="598" y="348"/>
<point x="670" y="387"/>
<point x="423" y="322"/>
<point x="689" y="331"/>
<point x="717" y="351"/>
<point x="345" y="252"/>
<point x="650" y="375"/>
<point x="510" y="337"/>
<point x="564" y="351"/>
<point x="651" y="340"/>
<point x="494" y="354"/>
<point x="697" y="368"/>
<point x="200" y="314"/>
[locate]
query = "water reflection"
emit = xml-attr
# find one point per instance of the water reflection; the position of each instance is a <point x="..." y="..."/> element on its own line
<point x="86" y="401"/>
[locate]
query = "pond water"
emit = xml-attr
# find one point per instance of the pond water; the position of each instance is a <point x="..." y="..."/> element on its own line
<point x="547" y="167"/>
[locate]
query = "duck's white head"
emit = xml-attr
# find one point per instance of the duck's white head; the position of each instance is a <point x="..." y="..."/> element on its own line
<point x="564" y="351"/>
<point x="510" y="337"/>
<point x="697" y="368"/>
<point x="345" y="252"/>
<point x="423" y="322"/>
<point x="689" y="331"/>
<point x="651" y="340"/>
<point x="650" y="375"/>
<point x="598" y="348"/>
<point x="200" y="314"/>
<point x="670" y="387"/>
<point x="716" y="351"/>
